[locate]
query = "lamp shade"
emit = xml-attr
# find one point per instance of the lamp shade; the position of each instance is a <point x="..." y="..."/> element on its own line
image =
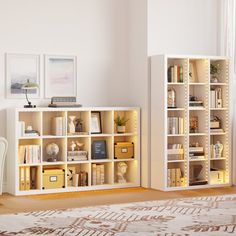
<point x="30" y="85"/>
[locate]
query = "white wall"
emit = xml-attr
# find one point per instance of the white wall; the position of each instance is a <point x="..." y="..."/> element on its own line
<point x="138" y="77"/>
<point x="182" y="27"/>
<point x="95" y="31"/>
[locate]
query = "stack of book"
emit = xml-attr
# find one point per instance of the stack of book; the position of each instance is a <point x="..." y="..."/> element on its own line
<point x="175" y="152"/>
<point x="59" y="126"/>
<point x="29" y="154"/>
<point x="216" y="98"/>
<point x="175" y="74"/>
<point x="77" y="156"/>
<point x="28" y="178"/>
<point x="175" y="125"/>
<point x="196" y="152"/>
<point x="175" y="177"/>
<point x="98" y="174"/>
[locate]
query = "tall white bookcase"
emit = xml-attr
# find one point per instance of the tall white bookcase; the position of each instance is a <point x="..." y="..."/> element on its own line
<point x="187" y="170"/>
<point x="40" y="119"/>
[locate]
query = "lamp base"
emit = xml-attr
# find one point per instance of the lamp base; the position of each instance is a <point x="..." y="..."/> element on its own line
<point x="30" y="106"/>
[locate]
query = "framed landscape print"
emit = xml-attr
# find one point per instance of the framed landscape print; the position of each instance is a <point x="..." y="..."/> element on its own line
<point x="19" y="69"/>
<point x="60" y="76"/>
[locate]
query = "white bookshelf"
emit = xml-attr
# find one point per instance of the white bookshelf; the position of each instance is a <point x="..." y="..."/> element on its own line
<point x="160" y="175"/>
<point x="40" y="120"/>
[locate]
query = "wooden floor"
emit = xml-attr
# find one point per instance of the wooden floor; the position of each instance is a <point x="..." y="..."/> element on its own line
<point x="12" y="204"/>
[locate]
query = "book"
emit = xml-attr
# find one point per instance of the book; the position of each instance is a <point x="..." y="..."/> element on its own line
<point x="27" y="178"/>
<point x="33" y="177"/>
<point x="22" y="179"/>
<point x="94" y="174"/>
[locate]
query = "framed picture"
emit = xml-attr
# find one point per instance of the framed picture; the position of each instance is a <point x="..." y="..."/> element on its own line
<point x="193" y="78"/>
<point x="60" y="76"/>
<point x="96" y="124"/>
<point x="99" y="150"/>
<point x="19" y="69"/>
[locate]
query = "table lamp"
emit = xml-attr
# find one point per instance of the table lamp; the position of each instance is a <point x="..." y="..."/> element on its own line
<point x="29" y="86"/>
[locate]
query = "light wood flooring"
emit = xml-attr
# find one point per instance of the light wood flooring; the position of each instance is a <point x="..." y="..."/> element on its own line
<point x="12" y="204"/>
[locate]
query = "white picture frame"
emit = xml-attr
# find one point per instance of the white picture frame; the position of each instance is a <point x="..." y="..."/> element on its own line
<point x="20" y="68"/>
<point x="60" y="76"/>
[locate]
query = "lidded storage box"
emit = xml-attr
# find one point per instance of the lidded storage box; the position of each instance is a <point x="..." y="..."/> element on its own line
<point x="124" y="150"/>
<point x="53" y="178"/>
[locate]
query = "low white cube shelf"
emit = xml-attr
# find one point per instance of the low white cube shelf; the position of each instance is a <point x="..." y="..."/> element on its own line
<point x="41" y="120"/>
<point x="183" y="76"/>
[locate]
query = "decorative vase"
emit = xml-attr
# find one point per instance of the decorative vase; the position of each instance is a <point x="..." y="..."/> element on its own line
<point x="71" y="125"/>
<point x="218" y="148"/>
<point x="171" y="98"/>
<point x="121" y="129"/>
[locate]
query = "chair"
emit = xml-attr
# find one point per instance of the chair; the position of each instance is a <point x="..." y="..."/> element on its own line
<point x="3" y="152"/>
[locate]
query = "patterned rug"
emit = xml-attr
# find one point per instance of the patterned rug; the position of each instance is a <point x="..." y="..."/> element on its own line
<point x="180" y="217"/>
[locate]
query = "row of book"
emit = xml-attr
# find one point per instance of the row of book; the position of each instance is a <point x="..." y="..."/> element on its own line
<point x="28" y="178"/>
<point x="59" y="126"/>
<point x="175" y="177"/>
<point x="29" y="154"/>
<point x="80" y="179"/>
<point x="175" y="74"/>
<point x="98" y="174"/>
<point x="175" y="125"/>
<point x="216" y="98"/>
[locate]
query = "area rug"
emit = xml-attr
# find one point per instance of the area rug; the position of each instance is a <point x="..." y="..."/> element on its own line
<point x="214" y="215"/>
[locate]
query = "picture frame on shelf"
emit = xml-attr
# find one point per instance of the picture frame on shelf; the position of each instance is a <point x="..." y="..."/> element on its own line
<point x="99" y="149"/>
<point x="96" y="123"/>
<point x="21" y="68"/>
<point x="60" y="76"/>
<point x="193" y="78"/>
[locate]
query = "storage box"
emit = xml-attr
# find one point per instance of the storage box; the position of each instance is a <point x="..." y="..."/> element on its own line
<point x="53" y="178"/>
<point x="217" y="176"/>
<point x="124" y="150"/>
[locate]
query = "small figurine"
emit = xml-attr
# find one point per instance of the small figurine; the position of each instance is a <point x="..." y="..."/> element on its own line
<point x="79" y="145"/>
<point x="71" y="125"/>
<point x="73" y="146"/>
<point x="79" y="125"/>
<point x="121" y="171"/>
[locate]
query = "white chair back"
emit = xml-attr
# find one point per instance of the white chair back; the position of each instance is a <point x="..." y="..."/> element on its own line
<point x="3" y="152"/>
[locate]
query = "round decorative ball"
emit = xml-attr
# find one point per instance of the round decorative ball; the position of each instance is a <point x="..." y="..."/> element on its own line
<point x="52" y="149"/>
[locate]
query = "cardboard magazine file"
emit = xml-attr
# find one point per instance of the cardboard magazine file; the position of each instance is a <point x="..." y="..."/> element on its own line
<point x="53" y="178"/>
<point x="124" y="150"/>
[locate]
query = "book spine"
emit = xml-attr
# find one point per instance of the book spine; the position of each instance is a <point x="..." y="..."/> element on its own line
<point x="102" y="174"/>
<point x="175" y="73"/>
<point x="94" y="174"/>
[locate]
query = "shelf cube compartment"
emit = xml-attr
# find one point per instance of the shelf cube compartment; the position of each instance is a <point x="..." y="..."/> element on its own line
<point x="179" y="92"/>
<point x="125" y="172"/>
<point x="176" y="174"/>
<point x="219" y="121"/>
<point x="53" y="177"/>
<point x="198" y="147"/>
<point x="198" y="173"/>
<point x="29" y="178"/>
<point x="54" y="150"/>
<point x="177" y="70"/>
<point x="176" y="148"/>
<point x="78" y="149"/>
<point x="101" y="148"/>
<point x="78" y="175"/>
<point x="102" y="173"/>
<point x="133" y="139"/>
<point x="30" y="120"/>
<point x="219" y="96"/>
<point x="54" y="123"/>
<point x="81" y="122"/>
<point x="102" y="119"/>
<point x="222" y="139"/>
<point x="131" y="125"/>
<point x="198" y="122"/>
<point x="198" y="70"/>
<point x="29" y="151"/>
<point x="222" y="73"/>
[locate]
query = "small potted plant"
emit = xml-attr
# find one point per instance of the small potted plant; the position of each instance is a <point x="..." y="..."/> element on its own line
<point x="214" y="71"/>
<point x="121" y="123"/>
